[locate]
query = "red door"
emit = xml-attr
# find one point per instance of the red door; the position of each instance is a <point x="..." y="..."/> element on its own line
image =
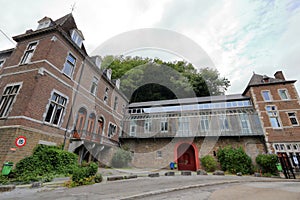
<point x="186" y="159"/>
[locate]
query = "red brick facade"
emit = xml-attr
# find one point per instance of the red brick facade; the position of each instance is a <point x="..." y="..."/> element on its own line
<point x="41" y="78"/>
<point x="283" y="136"/>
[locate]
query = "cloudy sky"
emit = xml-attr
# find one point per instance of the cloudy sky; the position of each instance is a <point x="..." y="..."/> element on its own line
<point x="239" y="36"/>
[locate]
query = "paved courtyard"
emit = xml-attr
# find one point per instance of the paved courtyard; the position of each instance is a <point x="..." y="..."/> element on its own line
<point x="168" y="187"/>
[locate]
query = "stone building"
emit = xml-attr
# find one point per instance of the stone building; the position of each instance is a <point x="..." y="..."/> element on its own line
<point x="51" y="88"/>
<point x="183" y="130"/>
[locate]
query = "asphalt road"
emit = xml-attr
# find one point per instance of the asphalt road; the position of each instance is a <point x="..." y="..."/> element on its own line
<point x="177" y="187"/>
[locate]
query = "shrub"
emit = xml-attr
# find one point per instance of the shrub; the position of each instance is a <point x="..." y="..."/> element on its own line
<point x="98" y="178"/>
<point x="121" y="158"/>
<point x="45" y="160"/>
<point x="84" y="175"/>
<point x="267" y="163"/>
<point x="235" y="160"/>
<point x="209" y="163"/>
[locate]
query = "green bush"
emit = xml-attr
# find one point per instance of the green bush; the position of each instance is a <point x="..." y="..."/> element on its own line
<point x="209" y="163"/>
<point x="83" y="172"/>
<point x="45" y="160"/>
<point x="267" y="163"/>
<point x="98" y="178"/>
<point x="235" y="160"/>
<point x="121" y="158"/>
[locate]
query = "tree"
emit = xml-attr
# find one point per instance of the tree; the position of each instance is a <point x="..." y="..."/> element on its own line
<point x="145" y="79"/>
<point x="216" y="85"/>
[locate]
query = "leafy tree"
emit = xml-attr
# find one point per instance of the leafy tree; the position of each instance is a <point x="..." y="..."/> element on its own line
<point x="145" y="79"/>
<point x="216" y="85"/>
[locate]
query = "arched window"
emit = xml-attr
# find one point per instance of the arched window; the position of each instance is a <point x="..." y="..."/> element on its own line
<point x="91" y="123"/>
<point x="81" y="117"/>
<point x="100" y="126"/>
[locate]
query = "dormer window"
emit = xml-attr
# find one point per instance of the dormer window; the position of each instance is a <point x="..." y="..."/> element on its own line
<point x="44" y="23"/>
<point x="77" y="37"/>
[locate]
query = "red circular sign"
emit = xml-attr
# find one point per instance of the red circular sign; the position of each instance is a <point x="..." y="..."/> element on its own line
<point x="20" y="141"/>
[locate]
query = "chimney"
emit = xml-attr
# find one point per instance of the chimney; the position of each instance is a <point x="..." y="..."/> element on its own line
<point x="279" y="75"/>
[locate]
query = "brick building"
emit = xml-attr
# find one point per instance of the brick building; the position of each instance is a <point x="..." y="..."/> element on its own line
<point x="51" y="88"/>
<point x="277" y="103"/>
<point x="54" y="93"/>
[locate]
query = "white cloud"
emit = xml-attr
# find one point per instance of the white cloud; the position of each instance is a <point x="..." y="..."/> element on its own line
<point x="239" y="36"/>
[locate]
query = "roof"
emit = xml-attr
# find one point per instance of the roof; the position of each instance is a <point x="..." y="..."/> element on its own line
<point x="194" y="100"/>
<point x="7" y="51"/>
<point x="259" y="80"/>
<point x="64" y="25"/>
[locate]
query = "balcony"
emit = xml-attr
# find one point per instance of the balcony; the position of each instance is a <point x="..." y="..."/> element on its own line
<point x="93" y="137"/>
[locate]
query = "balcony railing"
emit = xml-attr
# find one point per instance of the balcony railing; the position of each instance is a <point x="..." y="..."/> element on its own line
<point x="93" y="137"/>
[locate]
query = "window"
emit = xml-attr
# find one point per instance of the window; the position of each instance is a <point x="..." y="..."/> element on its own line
<point x="164" y="125"/>
<point x="223" y="123"/>
<point x="81" y="119"/>
<point x="245" y="123"/>
<point x="183" y="125"/>
<point x="148" y="126"/>
<point x="266" y="95"/>
<point x="105" y="99"/>
<point x="56" y="109"/>
<point x="28" y="53"/>
<point x="76" y="38"/>
<point x="100" y="126"/>
<point x="94" y="86"/>
<point x="273" y="116"/>
<point x="158" y="154"/>
<point x="91" y="123"/>
<point x="283" y="94"/>
<point x="69" y="65"/>
<point x="111" y="130"/>
<point x="204" y="123"/>
<point x="293" y="118"/>
<point x="1" y="63"/>
<point x="132" y="131"/>
<point x="8" y="98"/>
<point x="116" y="103"/>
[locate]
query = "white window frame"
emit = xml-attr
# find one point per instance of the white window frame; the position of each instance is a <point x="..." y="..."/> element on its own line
<point x="164" y="125"/>
<point x="293" y="117"/>
<point x="70" y="64"/>
<point x="113" y="132"/>
<point x="76" y="38"/>
<point x="7" y="100"/>
<point x="132" y="128"/>
<point x="148" y="126"/>
<point x="94" y="85"/>
<point x="183" y="125"/>
<point x="62" y="114"/>
<point x="223" y="123"/>
<point x="28" y="53"/>
<point x="286" y="94"/>
<point x="269" y="95"/>
<point x="273" y="114"/>
<point x="206" y="123"/>
<point x="245" y="121"/>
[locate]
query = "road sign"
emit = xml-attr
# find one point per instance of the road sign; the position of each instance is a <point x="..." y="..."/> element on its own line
<point x="20" y="141"/>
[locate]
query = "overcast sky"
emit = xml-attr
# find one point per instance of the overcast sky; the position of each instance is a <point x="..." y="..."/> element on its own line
<point x="240" y="37"/>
